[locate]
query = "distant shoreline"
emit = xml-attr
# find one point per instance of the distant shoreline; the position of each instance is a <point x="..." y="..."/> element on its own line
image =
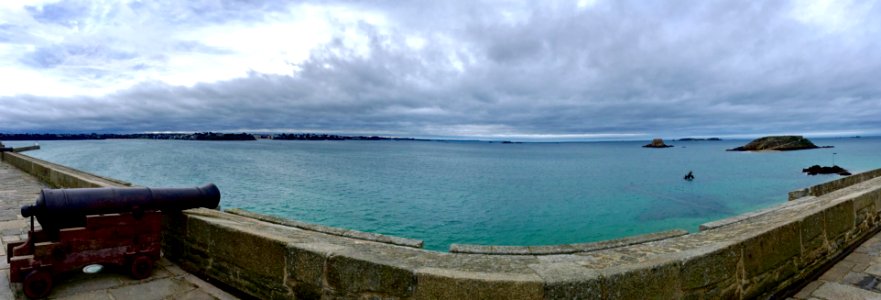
<point x="201" y="136"/>
<point x="218" y="136"/>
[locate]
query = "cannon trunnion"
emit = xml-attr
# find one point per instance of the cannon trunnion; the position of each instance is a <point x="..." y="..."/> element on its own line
<point x="108" y="226"/>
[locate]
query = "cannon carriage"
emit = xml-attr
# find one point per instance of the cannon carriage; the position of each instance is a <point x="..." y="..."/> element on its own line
<point x="105" y="226"/>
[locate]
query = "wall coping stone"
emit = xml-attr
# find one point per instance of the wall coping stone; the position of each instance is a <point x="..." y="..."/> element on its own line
<point x="26" y="148"/>
<point x="85" y="179"/>
<point x="367" y="236"/>
<point x="566" y="248"/>
<point x="829" y="186"/>
<point x="753" y="214"/>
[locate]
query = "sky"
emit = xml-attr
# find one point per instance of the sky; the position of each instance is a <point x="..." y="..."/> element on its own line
<point x="521" y="70"/>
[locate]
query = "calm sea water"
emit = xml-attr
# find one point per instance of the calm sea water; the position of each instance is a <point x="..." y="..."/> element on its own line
<point x="468" y="192"/>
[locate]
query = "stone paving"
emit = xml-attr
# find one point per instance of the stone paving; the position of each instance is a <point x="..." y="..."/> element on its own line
<point x="857" y="276"/>
<point x="167" y="282"/>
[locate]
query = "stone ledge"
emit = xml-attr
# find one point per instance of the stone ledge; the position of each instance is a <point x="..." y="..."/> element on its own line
<point x="566" y="248"/>
<point x="26" y="148"/>
<point x="827" y="187"/>
<point x="367" y="236"/>
<point x="57" y="175"/>
<point x="750" y="215"/>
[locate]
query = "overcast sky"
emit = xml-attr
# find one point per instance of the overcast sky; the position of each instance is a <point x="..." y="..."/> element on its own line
<point x="497" y="69"/>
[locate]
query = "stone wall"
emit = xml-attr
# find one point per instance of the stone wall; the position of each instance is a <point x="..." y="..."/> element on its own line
<point x="57" y="175"/>
<point x="824" y="188"/>
<point x="26" y="148"/>
<point x="762" y="256"/>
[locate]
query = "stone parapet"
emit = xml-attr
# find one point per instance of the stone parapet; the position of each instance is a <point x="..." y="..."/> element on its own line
<point x="766" y="255"/>
<point x="57" y="175"/>
<point x="26" y="148"/>
<point x="824" y="188"/>
<point x="367" y="236"/>
<point x="566" y="248"/>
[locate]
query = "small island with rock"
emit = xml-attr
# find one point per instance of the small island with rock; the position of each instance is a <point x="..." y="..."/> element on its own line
<point x="817" y="169"/>
<point x="778" y="143"/>
<point x="657" y="143"/>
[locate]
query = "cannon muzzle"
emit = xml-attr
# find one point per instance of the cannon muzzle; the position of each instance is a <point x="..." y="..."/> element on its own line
<point x="65" y="208"/>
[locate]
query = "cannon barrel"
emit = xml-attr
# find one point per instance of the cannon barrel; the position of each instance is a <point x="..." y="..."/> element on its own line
<point x="65" y="208"/>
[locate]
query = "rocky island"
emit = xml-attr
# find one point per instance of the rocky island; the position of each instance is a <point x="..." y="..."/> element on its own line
<point x="817" y="169"/>
<point x="657" y="143"/>
<point x="778" y="143"/>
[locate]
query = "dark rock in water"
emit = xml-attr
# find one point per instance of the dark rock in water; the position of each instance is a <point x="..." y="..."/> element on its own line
<point x="816" y="169"/>
<point x="657" y="143"/>
<point x="777" y="143"/>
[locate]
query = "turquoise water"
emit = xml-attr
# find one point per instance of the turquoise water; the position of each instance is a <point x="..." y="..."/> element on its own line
<point x="468" y="192"/>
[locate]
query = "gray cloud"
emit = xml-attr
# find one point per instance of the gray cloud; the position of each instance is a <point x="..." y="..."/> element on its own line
<point x="551" y="68"/>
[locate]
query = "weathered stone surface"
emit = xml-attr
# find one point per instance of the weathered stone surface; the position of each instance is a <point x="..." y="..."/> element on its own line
<point x="367" y="236"/>
<point x="839" y="219"/>
<point x="772" y="249"/>
<point x="813" y="242"/>
<point x="249" y="259"/>
<point x="832" y="290"/>
<point x="567" y="248"/>
<point x="5" y="291"/>
<point x="865" y="213"/>
<point x="88" y="283"/>
<point x="156" y="289"/>
<point x="355" y="272"/>
<point x="567" y="280"/>
<point x="770" y="258"/>
<point x="448" y="284"/>
<point x="704" y="269"/>
<point x="654" y="281"/>
<point x="258" y="254"/>
<point x="305" y="267"/>
<point x="834" y="185"/>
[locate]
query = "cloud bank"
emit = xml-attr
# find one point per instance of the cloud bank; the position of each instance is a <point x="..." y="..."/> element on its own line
<point x="549" y="69"/>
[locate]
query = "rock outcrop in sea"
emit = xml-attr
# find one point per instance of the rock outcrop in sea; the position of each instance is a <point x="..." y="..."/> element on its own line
<point x="778" y="143"/>
<point x="657" y="143"/>
<point x="817" y="169"/>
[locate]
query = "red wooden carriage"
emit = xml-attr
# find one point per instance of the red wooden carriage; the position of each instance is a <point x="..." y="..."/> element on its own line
<point x="118" y="227"/>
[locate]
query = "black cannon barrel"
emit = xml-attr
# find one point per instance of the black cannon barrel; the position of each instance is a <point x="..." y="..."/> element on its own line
<point x="64" y="208"/>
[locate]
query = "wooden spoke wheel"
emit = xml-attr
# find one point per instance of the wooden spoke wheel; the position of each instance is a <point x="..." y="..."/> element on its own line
<point x="141" y="267"/>
<point x="37" y="284"/>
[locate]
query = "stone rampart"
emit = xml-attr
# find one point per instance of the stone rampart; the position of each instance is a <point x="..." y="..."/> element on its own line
<point x="57" y="175"/>
<point x="566" y="248"/>
<point x="824" y="188"/>
<point x="26" y="148"/>
<point x="763" y="256"/>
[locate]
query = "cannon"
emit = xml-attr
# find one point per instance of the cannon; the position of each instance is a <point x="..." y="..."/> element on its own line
<point x="105" y="226"/>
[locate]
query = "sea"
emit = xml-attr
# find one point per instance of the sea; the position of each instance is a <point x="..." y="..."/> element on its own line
<point x="446" y="192"/>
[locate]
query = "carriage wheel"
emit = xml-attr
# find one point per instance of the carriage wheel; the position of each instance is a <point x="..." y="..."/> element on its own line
<point x="141" y="267"/>
<point x="37" y="284"/>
